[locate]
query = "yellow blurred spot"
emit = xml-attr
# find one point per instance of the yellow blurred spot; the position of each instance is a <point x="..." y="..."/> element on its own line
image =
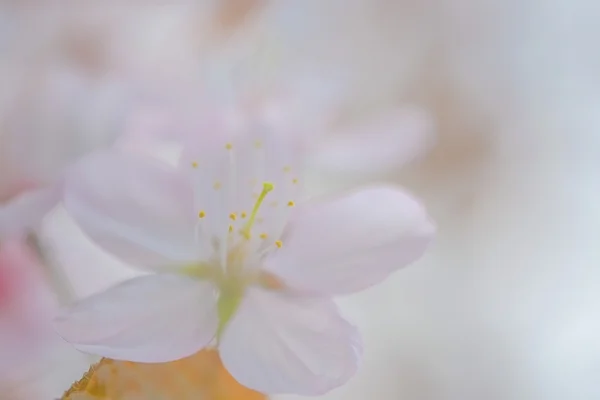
<point x="278" y="243"/>
<point x="194" y="164"/>
<point x="291" y="203"/>
<point x="201" y="376"/>
<point x="201" y="214"/>
<point x="243" y="214"/>
<point x="233" y="216"/>
<point x="295" y="181"/>
<point x="263" y="236"/>
<point x="287" y="168"/>
<point x="217" y="185"/>
<point x="229" y="146"/>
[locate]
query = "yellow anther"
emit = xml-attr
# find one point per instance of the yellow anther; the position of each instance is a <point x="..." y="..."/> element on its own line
<point x="263" y="235"/>
<point x="258" y="144"/>
<point x="267" y="187"/>
<point x="287" y="168"/>
<point x="291" y="203"/>
<point x="278" y="243"/>
<point x="233" y="216"/>
<point x="201" y="214"/>
<point x="217" y="185"/>
<point x="243" y="214"/>
<point x="295" y="181"/>
<point x="229" y="146"/>
<point x="230" y="228"/>
<point x="194" y="164"/>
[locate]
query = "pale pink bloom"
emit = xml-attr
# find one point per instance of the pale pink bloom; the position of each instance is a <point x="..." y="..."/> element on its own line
<point x="236" y="260"/>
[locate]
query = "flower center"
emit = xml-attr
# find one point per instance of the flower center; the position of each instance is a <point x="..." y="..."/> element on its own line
<point x="244" y="194"/>
<point x="240" y="267"/>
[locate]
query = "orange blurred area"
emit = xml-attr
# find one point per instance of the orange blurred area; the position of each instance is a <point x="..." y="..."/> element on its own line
<point x="201" y="376"/>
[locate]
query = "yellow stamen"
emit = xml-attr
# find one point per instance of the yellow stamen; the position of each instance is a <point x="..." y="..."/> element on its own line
<point x="233" y="216"/>
<point x="230" y="228"/>
<point x="278" y="243"/>
<point x="201" y="214"/>
<point x="294" y="181"/>
<point x="287" y="168"/>
<point x="194" y="164"/>
<point x="243" y="214"/>
<point x="267" y="187"/>
<point x="229" y="146"/>
<point x="263" y="235"/>
<point x="291" y="203"/>
<point x="217" y="185"/>
<point x="258" y="144"/>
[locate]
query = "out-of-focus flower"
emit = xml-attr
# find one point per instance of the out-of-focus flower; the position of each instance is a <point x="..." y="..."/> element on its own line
<point x="235" y="261"/>
<point x="40" y="134"/>
<point x="201" y="376"/>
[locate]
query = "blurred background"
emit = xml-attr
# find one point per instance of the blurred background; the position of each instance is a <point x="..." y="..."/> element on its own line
<point x="496" y="109"/>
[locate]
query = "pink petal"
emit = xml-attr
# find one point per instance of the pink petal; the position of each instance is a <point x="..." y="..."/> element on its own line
<point x="25" y="297"/>
<point x="26" y="305"/>
<point x="278" y="343"/>
<point x="135" y="207"/>
<point x="26" y="211"/>
<point x="353" y="242"/>
<point x="155" y="318"/>
<point x="375" y="146"/>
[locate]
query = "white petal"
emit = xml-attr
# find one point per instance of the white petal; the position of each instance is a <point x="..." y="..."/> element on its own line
<point x="134" y="207"/>
<point x="155" y="318"/>
<point x="351" y="243"/>
<point x="27" y="210"/>
<point x="387" y="141"/>
<point x="278" y="343"/>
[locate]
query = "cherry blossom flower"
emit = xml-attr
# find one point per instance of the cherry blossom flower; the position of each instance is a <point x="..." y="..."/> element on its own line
<point x="235" y="257"/>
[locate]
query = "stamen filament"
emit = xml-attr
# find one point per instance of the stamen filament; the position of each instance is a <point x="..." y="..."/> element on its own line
<point x="267" y="187"/>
